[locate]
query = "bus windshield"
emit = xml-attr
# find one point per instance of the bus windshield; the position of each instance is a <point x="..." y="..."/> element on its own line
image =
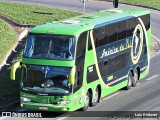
<point x="45" y="80"/>
<point x="59" y="47"/>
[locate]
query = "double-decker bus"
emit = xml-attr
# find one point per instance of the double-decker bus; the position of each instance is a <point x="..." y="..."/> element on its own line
<point x="72" y="64"/>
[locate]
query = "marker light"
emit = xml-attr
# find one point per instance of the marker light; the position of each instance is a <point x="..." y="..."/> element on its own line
<point x="64" y="102"/>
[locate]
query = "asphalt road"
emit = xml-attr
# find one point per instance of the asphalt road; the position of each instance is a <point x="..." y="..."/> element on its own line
<point x="145" y="96"/>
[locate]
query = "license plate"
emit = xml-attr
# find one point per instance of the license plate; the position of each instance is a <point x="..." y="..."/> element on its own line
<point x="43" y="108"/>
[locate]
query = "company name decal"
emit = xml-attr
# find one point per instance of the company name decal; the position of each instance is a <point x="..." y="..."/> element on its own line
<point x="114" y="50"/>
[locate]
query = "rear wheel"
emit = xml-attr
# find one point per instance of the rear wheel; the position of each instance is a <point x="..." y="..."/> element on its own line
<point x="96" y="97"/>
<point x="130" y="79"/>
<point x="135" y="78"/>
<point x="86" y="101"/>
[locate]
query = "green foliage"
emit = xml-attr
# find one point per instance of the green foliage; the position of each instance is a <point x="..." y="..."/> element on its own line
<point x="34" y="15"/>
<point x="150" y="3"/>
<point x="7" y="39"/>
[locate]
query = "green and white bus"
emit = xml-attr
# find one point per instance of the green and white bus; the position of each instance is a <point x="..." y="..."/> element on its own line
<point x="72" y="64"/>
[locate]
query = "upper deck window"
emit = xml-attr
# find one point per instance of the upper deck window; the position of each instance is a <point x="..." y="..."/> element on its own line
<point x="58" y="47"/>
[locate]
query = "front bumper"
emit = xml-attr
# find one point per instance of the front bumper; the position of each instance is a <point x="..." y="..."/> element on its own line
<point x="45" y="107"/>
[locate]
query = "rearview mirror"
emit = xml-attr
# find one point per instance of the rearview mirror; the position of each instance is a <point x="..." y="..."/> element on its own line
<point x="13" y="70"/>
<point x="72" y="75"/>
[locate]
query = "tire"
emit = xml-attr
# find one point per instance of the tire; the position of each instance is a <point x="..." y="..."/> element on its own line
<point x="96" y="98"/>
<point x="130" y="79"/>
<point x="86" y="101"/>
<point x="135" y="78"/>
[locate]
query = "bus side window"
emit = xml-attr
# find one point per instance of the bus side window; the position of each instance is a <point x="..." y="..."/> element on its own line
<point x="81" y="45"/>
<point x="129" y="33"/>
<point x="146" y="21"/>
<point x="77" y="78"/>
<point x="96" y="34"/>
<point x="133" y="23"/>
<point x="80" y="57"/>
<point x="89" y="43"/>
<point x="112" y="33"/>
<point x="100" y="36"/>
<point x="117" y="63"/>
<point x="122" y="26"/>
<point x="103" y="39"/>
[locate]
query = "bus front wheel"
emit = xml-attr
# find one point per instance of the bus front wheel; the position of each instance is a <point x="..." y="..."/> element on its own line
<point x="96" y="97"/>
<point x="86" y="101"/>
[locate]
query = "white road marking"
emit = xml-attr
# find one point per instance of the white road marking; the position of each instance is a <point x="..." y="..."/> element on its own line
<point x="111" y="96"/>
<point x="156" y="38"/>
<point x="152" y="77"/>
<point x="1" y="118"/>
<point x="61" y="118"/>
<point x="138" y="84"/>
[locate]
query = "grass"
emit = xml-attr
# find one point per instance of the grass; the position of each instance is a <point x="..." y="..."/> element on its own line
<point x="34" y="15"/>
<point x="7" y="39"/>
<point x="150" y="3"/>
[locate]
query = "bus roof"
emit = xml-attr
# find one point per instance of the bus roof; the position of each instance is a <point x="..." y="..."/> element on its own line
<point x="77" y="25"/>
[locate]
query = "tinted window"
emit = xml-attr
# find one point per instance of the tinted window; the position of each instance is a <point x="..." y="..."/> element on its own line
<point x="81" y="45"/>
<point x="133" y="23"/>
<point x="117" y="63"/>
<point x="146" y="21"/>
<point x="112" y="33"/>
<point x="122" y="27"/>
<point x="89" y="43"/>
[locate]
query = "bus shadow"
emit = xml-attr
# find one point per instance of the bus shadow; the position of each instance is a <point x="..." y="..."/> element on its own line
<point x="9" y="90"/>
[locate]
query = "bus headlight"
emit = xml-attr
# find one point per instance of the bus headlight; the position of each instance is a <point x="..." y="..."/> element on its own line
<point x="64" y="102"/>
<point x="25" y="99"/>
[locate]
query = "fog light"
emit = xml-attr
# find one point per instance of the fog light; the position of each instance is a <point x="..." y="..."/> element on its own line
<point x="64" y="109"/>
<point x="21" y="105"/>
